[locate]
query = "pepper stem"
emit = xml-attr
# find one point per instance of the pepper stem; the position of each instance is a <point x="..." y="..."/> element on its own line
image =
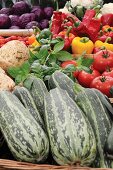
<point x="76" y="23"/>
<point x="108" y="39"/>
<point x="84" y="39"/>
<point x="68" y="31"/>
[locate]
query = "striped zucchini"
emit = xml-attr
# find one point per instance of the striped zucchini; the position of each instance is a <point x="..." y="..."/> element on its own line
<point x="59" y="79"/>
<point x="26" y="99"/>
<point x="37" y="91"/>
<point x="71" y="137"/>
<point x="98" y="117"/>
<point x="26" y="139"/>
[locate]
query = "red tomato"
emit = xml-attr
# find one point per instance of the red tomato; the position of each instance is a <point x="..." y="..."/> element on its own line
<point x="108" y="72"/>
<point x="85" y="78"/>
<point x="103" y="84"/>
<point x="76" y="73"/>
<point x="13" y="37"/>
<point x="8" y="39"/>
<point x="102" y="60"/>
<point x="2" y="41"/>
<point x="66" y="63"/>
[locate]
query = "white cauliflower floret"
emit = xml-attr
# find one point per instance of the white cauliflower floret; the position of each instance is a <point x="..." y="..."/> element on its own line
<point x="64" y="10"/>
<point x="107" y="8"/>
<point x="86" y="3"/>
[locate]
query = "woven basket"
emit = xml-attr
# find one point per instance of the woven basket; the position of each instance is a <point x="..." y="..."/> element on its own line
<point x="15" y="165"/>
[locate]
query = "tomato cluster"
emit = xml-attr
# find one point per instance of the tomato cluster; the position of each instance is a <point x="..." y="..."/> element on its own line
<point x="4" y="40"/>
<point x="101" y="73"/>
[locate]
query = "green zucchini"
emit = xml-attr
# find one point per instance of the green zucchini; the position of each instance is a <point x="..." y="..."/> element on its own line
<point x="37" y="90"/>
<point x="71" y="136"/>
<point x="25" y="138"/>
<point x="59" y="79"/>
<point x="98" y="117"/>
<point x="109" y="144"/>
<point x="26" y="99"/>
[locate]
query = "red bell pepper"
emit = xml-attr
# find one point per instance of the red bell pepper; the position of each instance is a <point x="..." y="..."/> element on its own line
<point x="106" y="34"/>
<point x="68" y="37"/>
<point x="107" y="19"/>
<point x="90" y="25"/>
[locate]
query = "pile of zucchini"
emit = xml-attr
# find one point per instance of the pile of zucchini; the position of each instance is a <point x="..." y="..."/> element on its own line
<point x="71" y="122"/>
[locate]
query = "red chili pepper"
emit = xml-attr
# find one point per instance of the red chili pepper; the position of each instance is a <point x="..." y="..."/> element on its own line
<point x="107" y="19"/>
<point x="90" y="25"/>
<point x="68" y="37"/>
<point x="56" y="22"/>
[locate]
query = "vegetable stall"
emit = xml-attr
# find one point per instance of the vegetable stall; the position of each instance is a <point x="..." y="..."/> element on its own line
<point x="56" y="85"/>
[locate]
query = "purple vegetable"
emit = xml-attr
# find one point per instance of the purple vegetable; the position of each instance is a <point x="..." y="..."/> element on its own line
<point x="14" y="27"/>
<point x="5" y="21"/>
<point x="48" y="12"/>
<point x="39" y="13"/>
<point x="20" y="8"/>
<point x="14" y="19"/>
<point x="31" y="24"/>
<point x="36" y="7"/>
<point x="7" y="11"/>
<point x="25" y="19"/>
<point x="44" y="23"/>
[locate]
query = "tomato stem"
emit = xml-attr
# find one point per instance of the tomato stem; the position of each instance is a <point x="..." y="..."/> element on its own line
<point x="103" y="79"/>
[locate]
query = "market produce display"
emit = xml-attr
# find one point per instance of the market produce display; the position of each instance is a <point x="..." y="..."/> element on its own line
<point x="55" y="85"/>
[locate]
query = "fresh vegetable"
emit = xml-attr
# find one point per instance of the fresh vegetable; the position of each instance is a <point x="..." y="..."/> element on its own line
<point x="67" y="37"/>
<point x="103" y="83"/>
<point x="106" y="44"/>
<point x="20" y="8"/>
<point x="32" y="24"/>
<point x="26" y="99"/>
<point x="25" y="19"/>
<point x="25" y="138"/>
<point x="85" y="78"/>
<point x="14" y="20"/>
<point x="67" y="126"/>
<point x="38" y="91"/>
<point x="92" y="105"/>
<point x="56" y="22"/>
<point x="81" y="45"/>
<point x="61" y="80"/>
<point x="103" y="60"/>
<point x="39" y="13"/>
<point x="109" y="145"/>
<point x="44" y="23"/>
<point x="107" y="19"/>
<point x="108" y="72"/>
<point x="68" y="62"/>
<point x="7" y="11"/>
<point x="5" y="21"/>
<point x="48" y="12"/>
<point x="91" y="24"/>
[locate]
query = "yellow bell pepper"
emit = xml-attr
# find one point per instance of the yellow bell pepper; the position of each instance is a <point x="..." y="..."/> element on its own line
<point x="36" y="44"/>
<point x="81" y="45"/>
<point x="103" y="45"/>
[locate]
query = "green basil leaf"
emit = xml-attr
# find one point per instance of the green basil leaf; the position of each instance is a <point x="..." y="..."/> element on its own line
<point x="84" y="61"/>
<point x="43" y="53"/>
<point x="13" y="71"/>
<point x="69" y="68"/>
<point x="25" y="67"/>
<point x="64" y="56"/>
<point x="83" y="68"/>
<point x="58" y="47"/>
